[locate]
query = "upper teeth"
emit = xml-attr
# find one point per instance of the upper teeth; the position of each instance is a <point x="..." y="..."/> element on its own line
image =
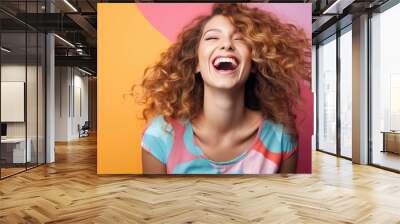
<point x="225" y="59"/>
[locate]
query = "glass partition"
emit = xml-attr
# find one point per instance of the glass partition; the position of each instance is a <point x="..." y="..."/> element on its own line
<point x="346" y="93"/>
<point x="33" y="72"/>
<point x="13" y="103"/>
<point x="385" y="89"/>
<point x="327" y="96"/>
<point x="22" y="88"/>
<point x="32" y="95"/>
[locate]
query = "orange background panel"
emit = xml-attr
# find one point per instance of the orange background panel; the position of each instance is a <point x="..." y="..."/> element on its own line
<point x="127" y="44"/>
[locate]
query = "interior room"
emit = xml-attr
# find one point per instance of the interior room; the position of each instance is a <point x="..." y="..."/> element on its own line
<point x="22" y="101"/>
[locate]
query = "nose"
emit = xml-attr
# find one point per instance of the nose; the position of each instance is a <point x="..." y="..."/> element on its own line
<point x="227" y="45"/>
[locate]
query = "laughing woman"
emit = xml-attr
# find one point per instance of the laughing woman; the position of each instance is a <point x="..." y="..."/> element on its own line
<point x="220" y="100"/>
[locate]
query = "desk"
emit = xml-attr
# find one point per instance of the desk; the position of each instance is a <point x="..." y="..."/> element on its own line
<point x="17" y="150"/>
<point x="391" y="141"/>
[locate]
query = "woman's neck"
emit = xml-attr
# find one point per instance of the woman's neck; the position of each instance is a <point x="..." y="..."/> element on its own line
<point x="222" y="110"/>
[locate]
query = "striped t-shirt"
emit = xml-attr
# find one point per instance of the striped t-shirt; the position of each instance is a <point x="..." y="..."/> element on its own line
<point x="172" y="143"/>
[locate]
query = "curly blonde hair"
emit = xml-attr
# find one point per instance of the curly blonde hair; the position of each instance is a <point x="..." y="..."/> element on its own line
<point x="280" y="55"/>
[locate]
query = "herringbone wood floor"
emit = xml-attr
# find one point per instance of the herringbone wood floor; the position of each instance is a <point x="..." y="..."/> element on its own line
<point x="69" y="191"/>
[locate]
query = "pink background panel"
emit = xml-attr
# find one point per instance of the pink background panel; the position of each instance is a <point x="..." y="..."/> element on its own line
<point x="169" y="19"/>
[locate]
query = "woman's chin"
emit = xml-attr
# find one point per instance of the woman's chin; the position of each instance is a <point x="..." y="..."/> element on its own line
<point x="224" y="85"/>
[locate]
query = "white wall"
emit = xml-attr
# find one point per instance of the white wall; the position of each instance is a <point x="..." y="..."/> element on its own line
<point x="12" y="101"/>
<point x="16" y="72"/>
<point x="62" y="81"/>
<point x="71" y="93"/>
<point x="80" y="84"/>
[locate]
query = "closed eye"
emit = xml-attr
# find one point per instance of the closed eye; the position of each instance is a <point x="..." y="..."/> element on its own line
<point x="211" y="38"/>
<point x="238" y="37"/>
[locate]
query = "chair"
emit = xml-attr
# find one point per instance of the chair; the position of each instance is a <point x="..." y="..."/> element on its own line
<point x="84" y="130"/>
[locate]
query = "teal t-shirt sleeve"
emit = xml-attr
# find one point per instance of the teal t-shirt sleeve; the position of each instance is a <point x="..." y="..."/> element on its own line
<point x="157" y="139"/>
<point x="289" y="145"/>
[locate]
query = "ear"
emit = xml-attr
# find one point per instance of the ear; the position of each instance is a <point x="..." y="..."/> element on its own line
<point x="197" y="68"/>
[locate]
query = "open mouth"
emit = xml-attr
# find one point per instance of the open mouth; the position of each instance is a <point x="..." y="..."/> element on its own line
<point x="225" y="64"/>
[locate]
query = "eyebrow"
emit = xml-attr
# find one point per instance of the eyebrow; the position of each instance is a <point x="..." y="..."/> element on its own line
<point x="218" y="30"/>
<point x="215" y="29"/>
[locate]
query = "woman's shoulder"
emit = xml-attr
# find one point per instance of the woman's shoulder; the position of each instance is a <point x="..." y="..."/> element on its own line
<point x="157" y="126"/>
<point x="274" y="135"/>
<point x="158" y="138"/>
<point x="270" y="127"/>
<point x="161" y="125"/>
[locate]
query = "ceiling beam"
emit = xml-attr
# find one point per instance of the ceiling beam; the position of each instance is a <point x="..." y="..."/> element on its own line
<point x="84" y="24"/>
<point x="83" y="61"/>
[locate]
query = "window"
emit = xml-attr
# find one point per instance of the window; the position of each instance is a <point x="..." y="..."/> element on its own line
<point x="385" y="89"/>
<point x="346" y="93"/>
<point x="327" y="96"/>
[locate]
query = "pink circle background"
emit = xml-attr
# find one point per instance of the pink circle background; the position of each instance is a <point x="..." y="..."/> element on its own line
<point x="170" y="18"/>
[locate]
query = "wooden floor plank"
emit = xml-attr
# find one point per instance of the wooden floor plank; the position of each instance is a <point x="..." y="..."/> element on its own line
<point x="70" y="191"/>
